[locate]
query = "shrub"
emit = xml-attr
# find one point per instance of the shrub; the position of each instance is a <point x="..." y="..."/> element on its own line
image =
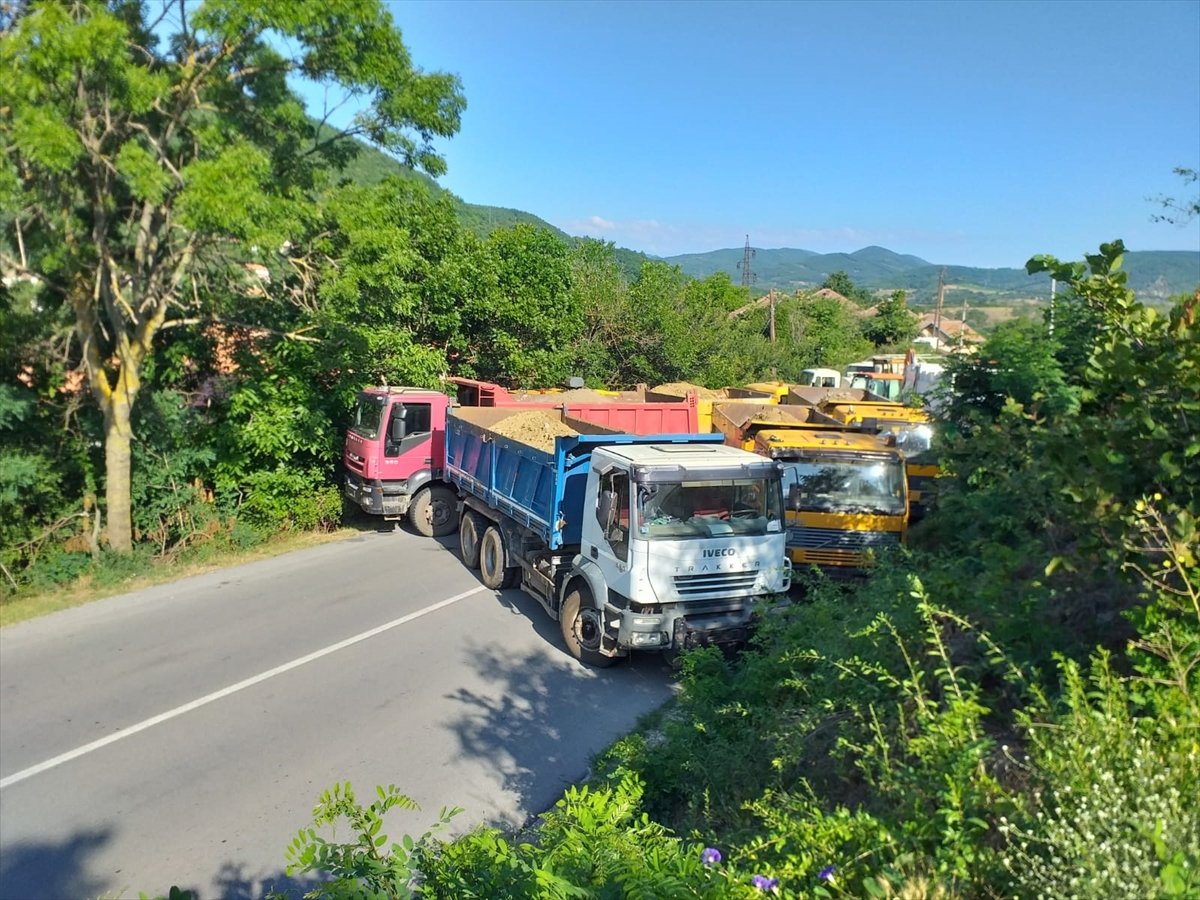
<point x="288" y="499"/>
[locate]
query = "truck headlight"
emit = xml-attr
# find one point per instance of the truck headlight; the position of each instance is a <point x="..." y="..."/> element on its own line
<point x="645" y="620"/>
<point x="647" y="638"/>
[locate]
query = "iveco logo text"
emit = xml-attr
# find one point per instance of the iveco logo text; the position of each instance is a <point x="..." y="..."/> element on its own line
<point x="728" y="551"/>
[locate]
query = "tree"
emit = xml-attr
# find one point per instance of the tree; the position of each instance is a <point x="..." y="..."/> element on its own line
<point x="841" y="283"/>
<point x="144" y="172"/>
<point x="892" y="322"/>
<point x="1179" y="212"/>
<point x="521" y="326"/>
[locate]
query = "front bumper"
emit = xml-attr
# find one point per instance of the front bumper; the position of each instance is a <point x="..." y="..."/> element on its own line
<point x="376" y="498"/>
<point x="681" y="626"/>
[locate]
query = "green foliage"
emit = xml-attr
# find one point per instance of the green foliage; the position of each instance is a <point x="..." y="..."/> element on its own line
<point x="171" y="461"/>
<point x="1016" y="364"/>
<point x="145" y="175"/>
<point x="521" y="328"/>
<point x="368" y="866"/>
<point x="290" y="499"/>
<point x="840" y="282"/>
<point x="1114" y="811"/>
<point x="892" y="323"/>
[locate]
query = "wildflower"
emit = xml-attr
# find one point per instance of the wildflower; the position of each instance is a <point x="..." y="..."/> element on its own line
<point x="710" y="856"/>
<point x="763" y="883"/>
<point x="826" y="874"/>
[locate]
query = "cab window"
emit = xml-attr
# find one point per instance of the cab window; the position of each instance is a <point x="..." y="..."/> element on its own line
<point x="408" y="426"/>
<point x="616" y="529"/>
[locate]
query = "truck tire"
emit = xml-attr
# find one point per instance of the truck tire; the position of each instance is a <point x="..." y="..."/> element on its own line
<point x="469" y="527"/>
<point x="433" y="511"/>
<point x="492" y="571"/>
<point x="582" y="628"/>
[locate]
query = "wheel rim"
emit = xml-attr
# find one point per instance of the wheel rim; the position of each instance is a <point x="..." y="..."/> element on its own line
<point x="588" y="629"/>
<point x="439" y="512"/>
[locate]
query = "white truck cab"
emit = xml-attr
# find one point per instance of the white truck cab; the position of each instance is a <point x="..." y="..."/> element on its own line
<point x="678" y="544"/>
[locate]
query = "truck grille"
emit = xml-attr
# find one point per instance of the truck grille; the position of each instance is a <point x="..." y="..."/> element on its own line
<point x="834" y="539"/>
<point x="711" y="582"/>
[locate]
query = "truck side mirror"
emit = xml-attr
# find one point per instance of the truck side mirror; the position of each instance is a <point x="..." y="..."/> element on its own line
<point x="397" y="428"/>
<point x="793" y="497"/>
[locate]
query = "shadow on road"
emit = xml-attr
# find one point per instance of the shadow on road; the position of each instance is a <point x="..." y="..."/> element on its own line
<point x="234" y="884"/>
<point x="550" y="713"/>
<point x="53" y="870"/>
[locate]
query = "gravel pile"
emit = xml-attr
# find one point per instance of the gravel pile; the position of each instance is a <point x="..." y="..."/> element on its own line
<point x="681" y="389"/>
<point x="535" y="427"/>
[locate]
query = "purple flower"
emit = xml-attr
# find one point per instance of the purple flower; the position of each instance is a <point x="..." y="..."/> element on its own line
<point x="710" y="856"/>
<point x="826" y="874"/>
<point x="763" y="883"/>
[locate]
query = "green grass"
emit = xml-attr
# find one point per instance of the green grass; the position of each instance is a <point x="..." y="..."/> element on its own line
<point x="24" y="606"/>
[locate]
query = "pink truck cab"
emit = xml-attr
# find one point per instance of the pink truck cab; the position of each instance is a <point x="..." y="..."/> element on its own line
<point x="394" y="454"/>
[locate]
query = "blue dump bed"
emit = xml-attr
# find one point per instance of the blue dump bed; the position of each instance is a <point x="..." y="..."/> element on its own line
<point x="542" y="490"/>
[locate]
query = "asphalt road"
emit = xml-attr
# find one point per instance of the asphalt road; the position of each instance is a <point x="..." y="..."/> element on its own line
<point x="181" y="734"/>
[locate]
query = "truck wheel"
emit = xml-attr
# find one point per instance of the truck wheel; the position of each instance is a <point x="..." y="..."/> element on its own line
<point x="468" y="539"/>
<point x="432" y="511"/>
<point x="492" y="570"/>
<point x="582" y="628"/>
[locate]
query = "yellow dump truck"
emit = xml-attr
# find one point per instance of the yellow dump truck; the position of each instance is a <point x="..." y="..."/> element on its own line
<point x="846" y="493"/>
<point x="906" y="428"/>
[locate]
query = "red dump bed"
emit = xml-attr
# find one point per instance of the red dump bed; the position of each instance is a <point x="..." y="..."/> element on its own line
<point x="627" y="417"/>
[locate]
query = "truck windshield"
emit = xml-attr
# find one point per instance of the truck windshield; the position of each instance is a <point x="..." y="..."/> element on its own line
<point x="848" y="486"/>
<point x="915" y="441"/>
<point x="673" y="510"/>
<point x="368" y="414"/>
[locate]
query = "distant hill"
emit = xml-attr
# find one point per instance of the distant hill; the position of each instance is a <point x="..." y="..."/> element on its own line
<point x="1154" y="274"/>
<point x="371" y="166"/>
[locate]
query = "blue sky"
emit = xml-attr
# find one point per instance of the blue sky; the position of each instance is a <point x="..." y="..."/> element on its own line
<point x="975" y="133"/>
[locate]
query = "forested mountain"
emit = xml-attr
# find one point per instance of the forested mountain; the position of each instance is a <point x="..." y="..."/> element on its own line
<point x="371" y="166"/>
<point x="1153" y="274"/>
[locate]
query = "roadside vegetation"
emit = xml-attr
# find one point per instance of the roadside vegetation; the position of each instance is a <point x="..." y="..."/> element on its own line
<point x="193" y="293"/>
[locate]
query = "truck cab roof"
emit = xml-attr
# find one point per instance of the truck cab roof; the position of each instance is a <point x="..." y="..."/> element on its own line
<point x="678" y="462"/>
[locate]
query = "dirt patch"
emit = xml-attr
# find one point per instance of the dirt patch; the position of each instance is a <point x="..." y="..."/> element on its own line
<point x="585" y="395"/>
<point x="681" y="389"/>
<point x="535" y="427"/>
<point x="769" y="412"/>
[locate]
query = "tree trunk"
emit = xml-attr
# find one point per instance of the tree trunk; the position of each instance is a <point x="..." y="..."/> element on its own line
<point x="118" y="437"/>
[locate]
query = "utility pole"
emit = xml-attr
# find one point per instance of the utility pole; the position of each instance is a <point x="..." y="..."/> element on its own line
<point x="771" y="301"/>
<point x="744" y="265"/>
<point x="937" y="310"/>
<point x="962" y="324"/>
<point x="1053" y="288"/>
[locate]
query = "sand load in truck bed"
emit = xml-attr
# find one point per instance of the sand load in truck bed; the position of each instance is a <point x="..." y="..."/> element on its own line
<point x="575" y="395"/>
<point x="681" y="389"/>
<point x="535" y="427"/>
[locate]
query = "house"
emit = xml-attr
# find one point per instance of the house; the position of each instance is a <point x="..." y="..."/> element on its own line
<point x="948" y="334"/>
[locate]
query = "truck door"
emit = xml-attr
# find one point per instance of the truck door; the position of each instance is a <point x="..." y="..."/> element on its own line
<point x="407" y="440"/>
<point x="612" y="512"/>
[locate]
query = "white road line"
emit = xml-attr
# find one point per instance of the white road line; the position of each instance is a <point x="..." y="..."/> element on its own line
<point x="10" y="780"/>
